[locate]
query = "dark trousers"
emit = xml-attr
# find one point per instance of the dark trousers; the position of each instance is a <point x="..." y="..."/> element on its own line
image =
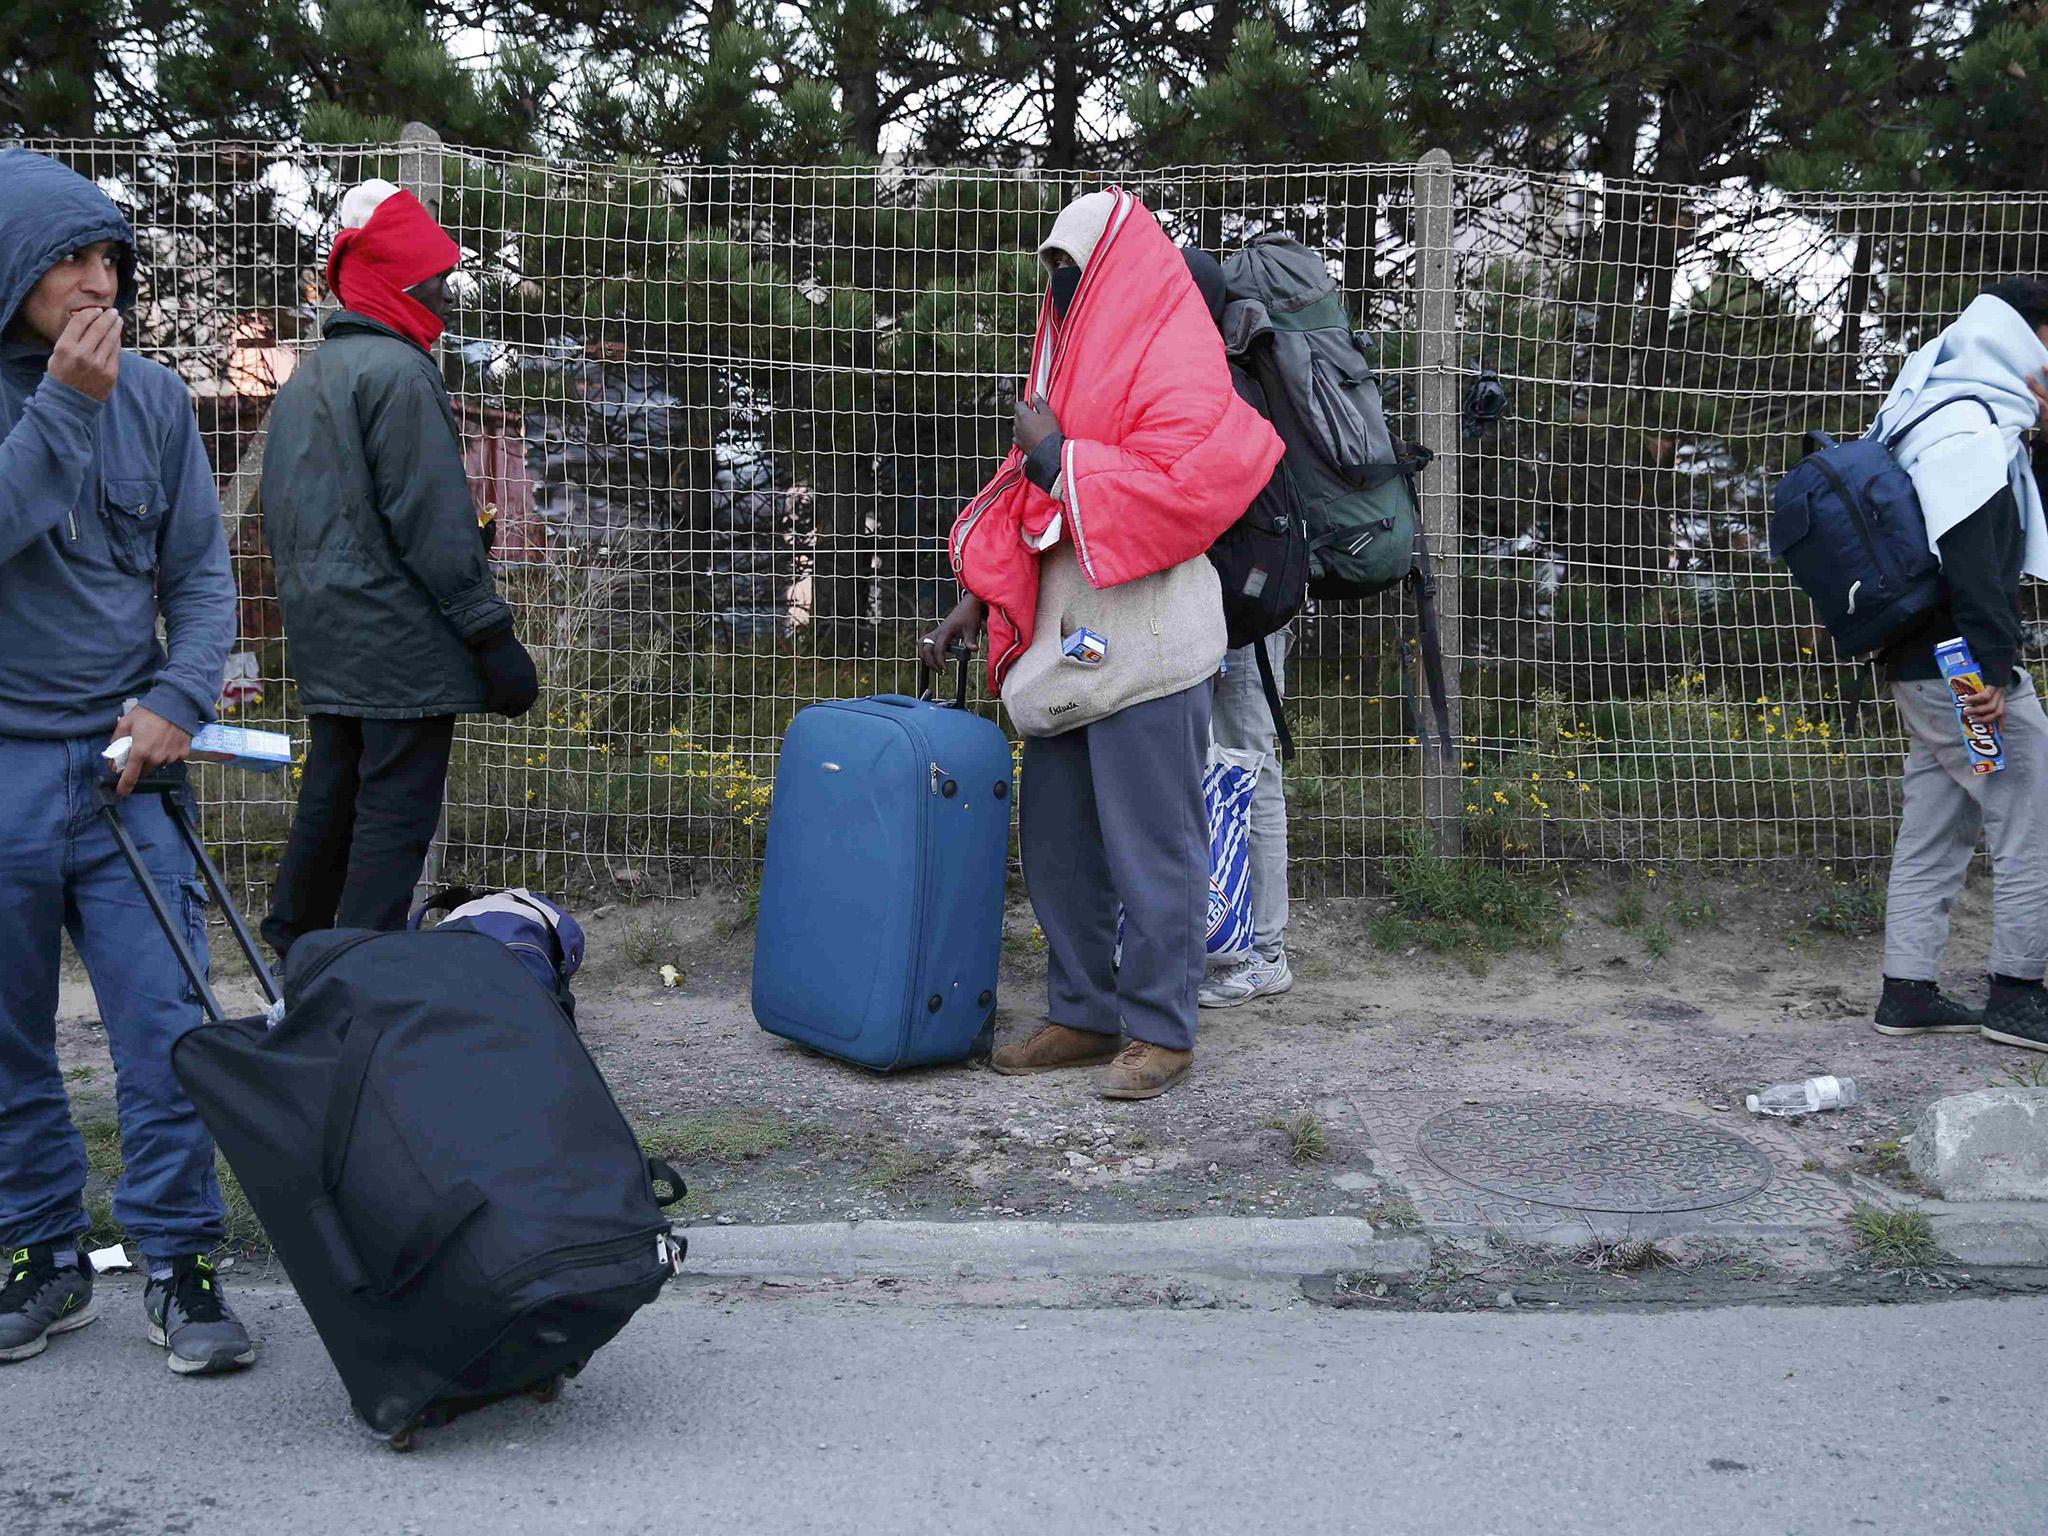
<point x="1112" y="812"/>
<point x="369" y="802"/>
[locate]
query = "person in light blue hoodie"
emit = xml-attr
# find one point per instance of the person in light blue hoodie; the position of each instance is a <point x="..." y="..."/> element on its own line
<point x="109" y="525"/>
<point x="1975" y="399"/>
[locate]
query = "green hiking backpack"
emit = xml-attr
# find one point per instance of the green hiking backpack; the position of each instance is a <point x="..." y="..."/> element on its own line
<point x="1284" y="321"/>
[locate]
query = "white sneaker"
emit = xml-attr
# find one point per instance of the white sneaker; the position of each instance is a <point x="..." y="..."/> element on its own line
<point x="1252" y="977"/>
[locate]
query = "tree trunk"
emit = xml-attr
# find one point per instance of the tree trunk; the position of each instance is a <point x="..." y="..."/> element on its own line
<point x="857" y="64"/>
<point x="1063" y="131"/>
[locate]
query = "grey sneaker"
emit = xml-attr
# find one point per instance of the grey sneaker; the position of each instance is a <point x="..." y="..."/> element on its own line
<point x="189" y="1317"/>
<point x="41" y="1300"/>
<point x="1252" y="977"/>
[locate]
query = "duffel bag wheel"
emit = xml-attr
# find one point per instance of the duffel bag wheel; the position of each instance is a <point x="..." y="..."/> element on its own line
<point x="402" y="1441"/>
<point x="571" y="1372"/>
<point x="546" y="1391"/>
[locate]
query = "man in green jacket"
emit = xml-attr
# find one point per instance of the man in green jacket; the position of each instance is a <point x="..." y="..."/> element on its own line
<point x="394" y="622"/>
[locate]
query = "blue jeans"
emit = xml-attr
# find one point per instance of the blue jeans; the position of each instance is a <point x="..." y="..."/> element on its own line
<point x="60" y="870"/>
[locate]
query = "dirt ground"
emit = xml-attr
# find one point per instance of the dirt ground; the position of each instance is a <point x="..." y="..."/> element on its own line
<point x="1754" y="991"/>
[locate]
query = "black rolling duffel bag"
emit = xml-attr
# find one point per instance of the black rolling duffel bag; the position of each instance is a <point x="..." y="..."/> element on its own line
<point x="460" y="1204"/>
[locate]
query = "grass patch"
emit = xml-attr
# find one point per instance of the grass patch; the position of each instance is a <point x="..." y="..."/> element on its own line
<point x="1688" y="913"/>
<point x="1658" y="941"/>
<point x="1630" y="912"/>
<point x="1894" y="1239"/>
<point x="892" y="1163"/>
<point x="1308" y="1141"/>
<point x="1631" y="1257"/>
<point x="648" y="938"/>
<point x="1462" y="904"/>
<point x="1397" y="1213"/>
<point x="719" y="1136"/>
<point x="242" y="1233"/>
<point x="1853" y="911"/>
<point x="81" y="1074"/>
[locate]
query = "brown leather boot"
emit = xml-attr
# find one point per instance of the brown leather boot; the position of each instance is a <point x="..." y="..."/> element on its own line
<point x="1051" y="1048"/>
<point x="1143" y="1070"/>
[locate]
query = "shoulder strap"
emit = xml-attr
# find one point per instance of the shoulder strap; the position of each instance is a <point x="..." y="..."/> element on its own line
<point x="443" y="902"/>
<point x="1273" y="703"/>
<point x="1423" y="583"/>
<point x="1891" y="443"/>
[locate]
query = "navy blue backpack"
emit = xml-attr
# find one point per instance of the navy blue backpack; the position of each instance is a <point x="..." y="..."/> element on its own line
<point x="547" y="940"/>
<point x="1847" y="521"/>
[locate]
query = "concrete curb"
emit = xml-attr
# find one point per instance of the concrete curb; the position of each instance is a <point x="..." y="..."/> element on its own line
<point x="1215" y="1247"/>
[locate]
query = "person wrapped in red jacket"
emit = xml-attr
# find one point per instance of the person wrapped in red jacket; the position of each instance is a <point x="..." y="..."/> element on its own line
<point x="1085" y="559"/>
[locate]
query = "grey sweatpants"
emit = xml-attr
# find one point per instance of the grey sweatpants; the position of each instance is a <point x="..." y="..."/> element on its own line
<point x="1947" y="806"/>
<point x="1244" y="722"/>
<point x="1113" y="812"/>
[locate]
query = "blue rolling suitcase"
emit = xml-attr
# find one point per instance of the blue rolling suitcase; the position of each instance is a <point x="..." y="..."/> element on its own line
<point x="880" y="930"/>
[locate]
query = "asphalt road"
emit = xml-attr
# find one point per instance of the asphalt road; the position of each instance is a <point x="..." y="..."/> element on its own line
<point x="788" y="1412"/>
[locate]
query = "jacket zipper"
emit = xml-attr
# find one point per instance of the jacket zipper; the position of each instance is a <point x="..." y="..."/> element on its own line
<point x="975" y="508"/>
<point x="1858" y="517"/>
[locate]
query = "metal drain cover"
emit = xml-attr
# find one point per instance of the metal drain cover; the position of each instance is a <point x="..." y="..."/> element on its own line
<point x="1594" y="1157"/>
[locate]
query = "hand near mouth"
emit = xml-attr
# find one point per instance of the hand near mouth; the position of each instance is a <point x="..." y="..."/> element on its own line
<point x="88" y="355"/>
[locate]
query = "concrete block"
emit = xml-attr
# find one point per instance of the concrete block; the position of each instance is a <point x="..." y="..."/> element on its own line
<point x="1987" y="1145"/>
<point x="1998" y="1241"/>
<point x="1214" y="1246"/>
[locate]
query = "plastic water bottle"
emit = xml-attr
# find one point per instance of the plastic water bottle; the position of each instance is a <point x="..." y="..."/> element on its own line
<point x="1807" y="1098"/>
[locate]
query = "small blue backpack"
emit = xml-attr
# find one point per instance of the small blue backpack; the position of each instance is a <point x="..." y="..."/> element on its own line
<point x="547" y="940"/>
<point x="1847" y="521"/>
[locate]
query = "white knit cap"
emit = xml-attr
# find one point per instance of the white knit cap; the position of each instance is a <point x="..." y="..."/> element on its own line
<point x="358" y="203"/>
<point x="1080" y="227"/>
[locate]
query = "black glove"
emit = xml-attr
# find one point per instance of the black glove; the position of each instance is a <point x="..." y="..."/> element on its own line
<point x="510" y="683"/>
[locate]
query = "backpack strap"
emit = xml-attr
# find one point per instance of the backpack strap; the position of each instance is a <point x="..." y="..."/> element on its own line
<point x="443" y="902"/>
<point x="1273" y="704"/>
<point x="1891" y="443"/>
<point x="1422" y="582"/>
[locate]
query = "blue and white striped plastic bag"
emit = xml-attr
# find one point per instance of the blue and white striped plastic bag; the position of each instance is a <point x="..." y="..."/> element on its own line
<point x="1227" y="789"/>
<point x="1227" y="786"/>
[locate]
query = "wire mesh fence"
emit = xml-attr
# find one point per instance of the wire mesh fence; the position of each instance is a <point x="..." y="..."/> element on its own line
<point x="725" y="416"/>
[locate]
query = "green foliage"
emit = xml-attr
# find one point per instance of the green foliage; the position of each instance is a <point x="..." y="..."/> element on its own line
<point x="1894" y="1239"/>
<point x="1461" y="905"/>
<point x="717" y="1136"/>
<point x="1853" y="911"/>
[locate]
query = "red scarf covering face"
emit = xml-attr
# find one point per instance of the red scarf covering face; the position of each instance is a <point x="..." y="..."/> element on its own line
<point x="399" y="246"/>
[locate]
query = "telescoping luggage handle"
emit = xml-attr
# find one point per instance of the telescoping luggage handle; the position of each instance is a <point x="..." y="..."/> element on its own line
<point x="926" y="681"/>
<point x="169" y="786"/>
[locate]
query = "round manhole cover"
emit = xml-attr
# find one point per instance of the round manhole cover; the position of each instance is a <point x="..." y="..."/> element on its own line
<point x="1594" y="1157"/>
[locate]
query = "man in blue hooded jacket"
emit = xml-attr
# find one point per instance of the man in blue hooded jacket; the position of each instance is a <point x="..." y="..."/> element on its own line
<point x="109" y="523"/>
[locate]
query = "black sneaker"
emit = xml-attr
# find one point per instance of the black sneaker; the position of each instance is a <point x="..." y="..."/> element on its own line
<point x="42" y="1299"/>
<point x="1921" y="1008"/>
<point x="2017" y="1016"/>
<point x="189" y="1317"/>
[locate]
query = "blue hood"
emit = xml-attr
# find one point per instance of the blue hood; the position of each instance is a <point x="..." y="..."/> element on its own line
<point x="47" y="211"/>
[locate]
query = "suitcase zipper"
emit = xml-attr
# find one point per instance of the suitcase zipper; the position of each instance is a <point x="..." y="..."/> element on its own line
<point x="579" y="1258"/>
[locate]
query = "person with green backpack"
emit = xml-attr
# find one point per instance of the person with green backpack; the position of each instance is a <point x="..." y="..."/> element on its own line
<point x="1262" y="561"/>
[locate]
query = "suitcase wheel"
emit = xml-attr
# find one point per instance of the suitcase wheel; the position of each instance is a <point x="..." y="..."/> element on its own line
<point x="571" y="1372"/>
<point x="402" y="1441"/>
<point x="545" y="1391"/>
